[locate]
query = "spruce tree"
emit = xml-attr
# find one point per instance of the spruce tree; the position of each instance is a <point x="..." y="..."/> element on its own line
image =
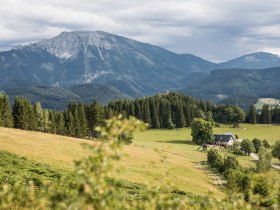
<point x="187" y="114"/>
<point x="165" y="110"/>
<point x="60" y="124"/>
<point x="209" y="117"/>
<point x="179" y="118"/>
<point x="69" y="123"/>
<point x="46" y="121"/>
<point x="32" y="122"/>
<point x="39" y="116"/>
<point x="82" y="120"/>
<point x="20" y="113"/>
<point x="154" y="114"/>
<point x="77" y="125"/>
<point x="252" y="115"/>
<point x="146" y="112"/>
<point x="95" y="117"/>
<point x="108" y="113"/>
<point x="275" y="118"/>
<point x="5" y="112"/>
<point x="138" y="110"/>
<point x="52" y="121"/>
<point x="265" y="117"/>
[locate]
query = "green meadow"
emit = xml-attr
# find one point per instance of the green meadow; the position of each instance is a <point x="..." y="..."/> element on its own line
<point x="154" y="157"/>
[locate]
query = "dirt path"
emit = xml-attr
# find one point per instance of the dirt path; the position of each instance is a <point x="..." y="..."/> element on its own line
<point x="217" y="180"/>
<point x="255" y="157"/>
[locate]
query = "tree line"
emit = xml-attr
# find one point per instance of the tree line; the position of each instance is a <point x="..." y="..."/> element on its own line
<point x="266" y="116"/>
<point x="170" y="110"/>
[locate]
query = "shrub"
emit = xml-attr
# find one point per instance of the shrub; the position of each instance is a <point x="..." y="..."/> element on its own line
<point x="261" y="186"/>
<point x="214" y="158"/>
<point x="231" y="162"/>
<point x="247" y="146"/>
<point x="264" y="162"/>
<point x="265" y="144"/>
<point x="276" y="150"/>
<point x="257" y="144"/>
<point x="237" y="180"/>
<point x="236" y="148"/>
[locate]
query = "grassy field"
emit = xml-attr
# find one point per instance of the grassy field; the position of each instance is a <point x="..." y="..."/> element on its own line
<point x="153" y="157"/>
<point x="140" y="164"/>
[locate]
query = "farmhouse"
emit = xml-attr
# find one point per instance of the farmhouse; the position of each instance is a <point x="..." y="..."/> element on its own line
<point x="224" y="139"/>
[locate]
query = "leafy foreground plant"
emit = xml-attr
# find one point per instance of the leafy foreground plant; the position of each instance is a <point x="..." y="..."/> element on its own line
<point x="92" y="185"/>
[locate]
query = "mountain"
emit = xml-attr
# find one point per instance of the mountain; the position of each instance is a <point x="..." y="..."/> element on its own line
<point x="71" y="58"/>
<point x="240" y="86"/>
<point x="53" y="97"/>
<point x="259" y="60"/>
<point x="117" y="67"/>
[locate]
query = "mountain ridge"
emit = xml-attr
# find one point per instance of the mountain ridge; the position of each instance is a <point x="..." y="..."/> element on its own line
<point x="73" y="58"/>
<point x="134" y="68"/>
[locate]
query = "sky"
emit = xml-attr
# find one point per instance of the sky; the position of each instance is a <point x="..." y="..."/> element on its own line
<point x="216" y="30"/>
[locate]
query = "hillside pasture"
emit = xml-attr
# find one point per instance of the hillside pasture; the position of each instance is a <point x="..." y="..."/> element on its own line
<point x="140" y="164"/>
<point x="154" y="157"/>
<point x="263" y="101"/>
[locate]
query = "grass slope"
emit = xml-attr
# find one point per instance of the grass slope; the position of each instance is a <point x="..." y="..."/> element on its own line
<point x="154" y="156"/>
<point x="141" y="164"/>
<point x="263" y="101"/>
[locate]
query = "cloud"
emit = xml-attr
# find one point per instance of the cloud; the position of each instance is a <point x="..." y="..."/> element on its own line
<point x="214" y="29"/>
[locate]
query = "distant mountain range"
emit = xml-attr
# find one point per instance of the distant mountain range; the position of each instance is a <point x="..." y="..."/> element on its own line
<point x="237" y="86"/>
<point x="113" y="67"/>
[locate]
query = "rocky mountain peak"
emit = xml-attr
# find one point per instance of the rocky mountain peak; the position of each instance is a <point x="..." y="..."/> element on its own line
<point x="67" y="44"/>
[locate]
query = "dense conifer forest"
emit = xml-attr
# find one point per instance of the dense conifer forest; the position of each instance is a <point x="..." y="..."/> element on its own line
<point x="168" y="111"/>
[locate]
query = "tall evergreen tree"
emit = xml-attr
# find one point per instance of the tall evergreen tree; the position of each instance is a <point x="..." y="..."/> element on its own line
<point x="6" y="118"/>
<point x="209" y="117"/>
<point x="95" y="117"/>
<point x="179" y="118"/>
<point x="77" y="125"/>
<point x="60" y="124"/>
<point x="165" y="113"/>
<point x="69" y="123"/>
<point x="252" y="115"/>
<point x="187" y="113"/>
<point x="52" y="120"/>
<point x="39" y="116"/>
<point x="265" y="117"/>
<point x="23" y="114"/>
<point x="146" y="112"/>
<point x="46" y="121"/>
<point x="275" y="118"/>
<point x="82" y="120"/>
<point x="155" y="123"/>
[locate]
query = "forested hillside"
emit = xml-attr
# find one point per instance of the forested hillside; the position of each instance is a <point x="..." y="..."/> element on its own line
<point x="170" y="110"/>
<point x="52" y="97"/>
<point x="237" y="86"/>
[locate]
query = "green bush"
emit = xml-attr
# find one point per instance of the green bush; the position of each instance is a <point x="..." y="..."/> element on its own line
<point x="276" y="150"/>
<point x="247" y="146"/>
<point x="231" y="162"/>
<point x="265" y="144"/>
<point x="257" y="144"/>
<point x="237" y="180"/>
<point x="264" y="162"/>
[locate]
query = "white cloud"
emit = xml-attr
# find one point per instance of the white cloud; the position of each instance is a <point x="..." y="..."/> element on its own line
<point x="214" y="29"/>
